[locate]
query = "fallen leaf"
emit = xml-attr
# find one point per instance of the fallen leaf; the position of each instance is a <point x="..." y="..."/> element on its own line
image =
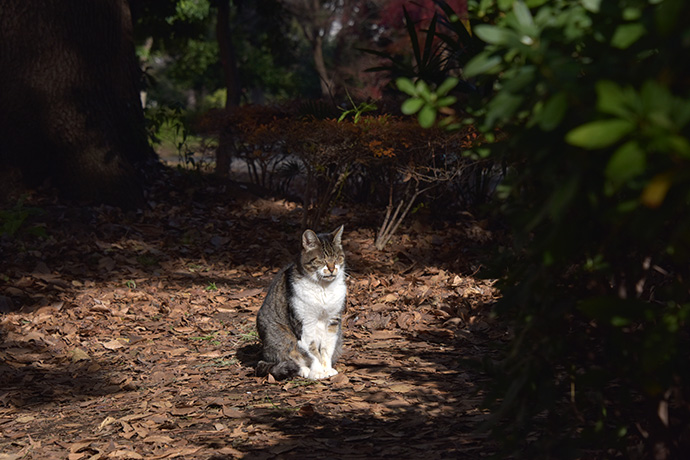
<point x="176" y="452"/>
<point x="384" y="334"/>
<point x="159" y="439"/>
<point x="106" y="263"/>
<point x="340" y="380"/>
<point x="246" y="293"/>
<point x="107" y="421"/>
<point x="231" y="451"/>
<point x="390" y="298"/>
<point x="184" y="410"/>
<point x="126" y="454"/>
<point x="232" y="412"/>
<point x="113" y="344"/>
<point x="79" y="355"/>
<point x="307" y="410"/>
<point x="402" y="387"/>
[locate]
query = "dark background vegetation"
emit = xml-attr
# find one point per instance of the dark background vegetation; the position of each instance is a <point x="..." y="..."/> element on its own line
<point x="564" y="123"/>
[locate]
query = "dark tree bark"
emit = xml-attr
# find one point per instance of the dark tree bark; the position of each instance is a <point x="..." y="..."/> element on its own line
<point x="70" y="110"/>
<point x="228" y="59"/>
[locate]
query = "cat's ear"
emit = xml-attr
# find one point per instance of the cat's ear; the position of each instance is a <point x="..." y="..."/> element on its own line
<point x="309" y="240"/>
<point x="338" y="235"/>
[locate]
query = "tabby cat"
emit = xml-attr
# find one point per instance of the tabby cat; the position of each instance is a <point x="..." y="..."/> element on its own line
<point x="299" y="322"/>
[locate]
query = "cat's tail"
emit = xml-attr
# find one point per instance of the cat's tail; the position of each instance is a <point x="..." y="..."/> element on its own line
<point x="279" y="371"/>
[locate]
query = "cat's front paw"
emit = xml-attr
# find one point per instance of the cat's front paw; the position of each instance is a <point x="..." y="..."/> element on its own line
<point x="330" y="372"/>
<point x="322" y="373"/>
<point x="305" y="372"/>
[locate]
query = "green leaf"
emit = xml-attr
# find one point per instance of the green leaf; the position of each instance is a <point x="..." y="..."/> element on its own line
<point x="679" y="145"/>
<point x="632" y="13"/>
<point x="447" y="85"/>
<point x="411" y="106"/>
<point x="427" y="116"/>
<point x="422" y="89"/>
<point x="406" y="86"/>
<point x="627" y="162"/>
<point x="599" y="134"/>
<point x="612" y="99"/>
<point x="483" y="63"/>
<point x="553" y="112"/>
<point x="446" y="101"/>
<point x="627" y="34"/>
<point x="495" y="35"/>
<point x="655" y="98"/>
<point x="428" y="43"/>
<point x="516" y="82"/>
<point x="523" y="14"/>
<point x="502" y="107"/>
<point x="591" y="5"/>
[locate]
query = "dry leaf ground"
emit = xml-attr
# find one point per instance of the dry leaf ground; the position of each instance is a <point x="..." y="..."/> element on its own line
<point x="127" y="336"/>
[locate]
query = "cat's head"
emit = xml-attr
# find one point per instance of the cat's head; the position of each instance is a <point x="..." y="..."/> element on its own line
<point x="322" y="256"/>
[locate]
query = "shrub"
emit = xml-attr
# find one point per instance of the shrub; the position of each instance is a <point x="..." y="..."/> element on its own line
<point x="379" y="159"/>
<point x="597" y="285"/>
<point x="591" y="100"/>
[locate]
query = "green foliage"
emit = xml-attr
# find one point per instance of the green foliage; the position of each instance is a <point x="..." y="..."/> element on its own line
<point x="427" y="103"/>
<point x="13" y="221"/>
<point x="170" y="125"/>
<point x="211" y="287"/>
<point x="180" y="54"/>
<point x="195" y="10"/>
<point x="357" y="110"/>
<point x="596" y="121"/>
<point x="590" y="104"/>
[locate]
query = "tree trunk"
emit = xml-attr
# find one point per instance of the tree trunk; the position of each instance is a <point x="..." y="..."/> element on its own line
<point x="71" y="112"/>
<point x="315" y="19"/>
<point x="319" y="63"/>
<point x="228" y="59"/>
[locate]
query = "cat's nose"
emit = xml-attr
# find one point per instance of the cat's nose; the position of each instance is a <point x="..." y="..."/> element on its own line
<point x="330" y="267"/>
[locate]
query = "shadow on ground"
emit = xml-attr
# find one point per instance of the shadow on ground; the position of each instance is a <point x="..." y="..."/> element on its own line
<point x="162" y="304"/>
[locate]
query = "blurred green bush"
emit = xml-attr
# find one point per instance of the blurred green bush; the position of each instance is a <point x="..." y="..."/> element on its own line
<point x="589" y="103"/>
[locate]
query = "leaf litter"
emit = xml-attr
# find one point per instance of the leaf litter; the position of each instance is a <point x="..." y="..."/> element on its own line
<point x="132" y="335"/>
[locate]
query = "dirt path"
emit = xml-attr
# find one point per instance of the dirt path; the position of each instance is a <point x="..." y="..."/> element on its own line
<point x="132" y="336"/>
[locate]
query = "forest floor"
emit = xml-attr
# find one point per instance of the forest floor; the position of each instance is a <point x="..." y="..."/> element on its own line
<point x="131" y="335"/>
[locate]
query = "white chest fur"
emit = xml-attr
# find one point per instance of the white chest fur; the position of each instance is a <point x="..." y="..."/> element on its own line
<point x="317" y="304"/>
<point x="318" y="301"/>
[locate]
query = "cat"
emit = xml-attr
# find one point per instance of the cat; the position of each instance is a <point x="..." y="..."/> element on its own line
<point x="300" y="321"/>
